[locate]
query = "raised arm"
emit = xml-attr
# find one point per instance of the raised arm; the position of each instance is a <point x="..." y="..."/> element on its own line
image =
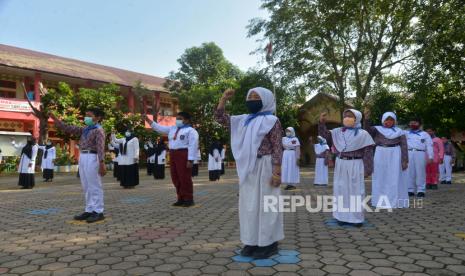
<point x="73" y="130"/>
<point x="323" y="131"/>
<point x="156" y="126"/>
<point x="220" y="114"/>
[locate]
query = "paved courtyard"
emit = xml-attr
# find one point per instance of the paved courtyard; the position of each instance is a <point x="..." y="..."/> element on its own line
<point x="144" y="235"/>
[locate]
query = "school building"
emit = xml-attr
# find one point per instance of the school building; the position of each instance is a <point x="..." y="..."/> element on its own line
<point x="21" y="66"/>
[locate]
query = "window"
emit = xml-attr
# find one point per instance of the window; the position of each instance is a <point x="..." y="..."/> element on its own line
<point x="8" y="84"/>
<point x="7" y="94"/>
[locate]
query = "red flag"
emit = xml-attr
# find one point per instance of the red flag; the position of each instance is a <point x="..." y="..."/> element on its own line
<point x="269" y="52"/>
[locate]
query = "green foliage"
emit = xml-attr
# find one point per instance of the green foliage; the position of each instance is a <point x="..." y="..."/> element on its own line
<point x="337" y="46"/>
<point x="63" y="158"/>
<point x="204" y="66"/>
<point x="437" y="81"/>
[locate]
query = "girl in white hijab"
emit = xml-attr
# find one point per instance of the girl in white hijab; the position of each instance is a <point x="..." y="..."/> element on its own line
<point x="290" y="174"/>
<point x="321" y="163"/>
<point x="389" y="188"/>
<point x="257" y="150"/>
<point x="354" y="161"/>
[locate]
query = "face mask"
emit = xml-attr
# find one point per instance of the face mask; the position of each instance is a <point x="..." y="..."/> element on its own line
<point x="127" y="134"/>
<point x="288" y="134"/>
<point x="49" y="144"/>
<point x="348" y="122"/>
<point x="414" y="127"/>
<point x="254" y="106"/>
<point x="179" y="123"/>
<point x="88" y="121"/>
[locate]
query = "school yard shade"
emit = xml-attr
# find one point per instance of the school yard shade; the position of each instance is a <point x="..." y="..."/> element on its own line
<point x="151" y="237"/>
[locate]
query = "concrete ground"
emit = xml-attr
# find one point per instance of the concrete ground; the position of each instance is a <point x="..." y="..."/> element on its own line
<point x="144" y="235"/>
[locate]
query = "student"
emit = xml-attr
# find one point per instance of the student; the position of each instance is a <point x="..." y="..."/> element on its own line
<point x="290" y="173"/>
<point x="420" y="149"/>
<point x="183" y="143"/>
<point x="160" y="160"/>
<point x="128" y="162"/>
<point x="389" y="189"/>
<point x="27" y="162"/>
<point x="195" y="166"/>
<point x="445" y="168"/>
<point x="257" y="149"/>
<point x="354" y="151"/>
<point x="432" y="169"/>
<point x="150" y="154"/>
<point x="48" y="161"/>
<point x="322" y="153"/>
<point x="214" y="161"/>
<point x="223" y="157"/>
<point x="91" y="161"/>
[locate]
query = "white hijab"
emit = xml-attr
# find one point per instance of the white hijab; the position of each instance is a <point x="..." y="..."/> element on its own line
<point x="291" y="130"/>
<point x="389" y="133"/>
<point x="246" y="139"/>
<point x="351" y="139"/>
<point x="321" y="147"/>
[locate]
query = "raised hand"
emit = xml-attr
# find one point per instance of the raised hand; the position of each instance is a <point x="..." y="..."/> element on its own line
<point x="323" y="117"/>
<point x="228" y="94"/>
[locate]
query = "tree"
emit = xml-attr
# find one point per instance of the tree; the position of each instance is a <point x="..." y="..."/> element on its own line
<point x="203" y="66"/>
<point x="71" y="107"/>
<point x="198" y="84"/>
<point x="437" y="81"/>
<point x="341" y="46"/>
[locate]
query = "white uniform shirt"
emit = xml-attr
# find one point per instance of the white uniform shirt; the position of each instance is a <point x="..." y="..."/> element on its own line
<point x="187" y="138"/>
<point x="47" y="163"/>
<point x="420" y="141"/>
<point x="150" y="159"/>
<point x="25" y="161"/>
<point x="132" y="150"/>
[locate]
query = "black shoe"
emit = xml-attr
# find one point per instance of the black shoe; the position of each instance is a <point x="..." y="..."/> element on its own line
<point x="421" y="195"/>
<point x="449" y="182"/>
<point x="443" y="182"/>
<point x="266" y="251"/>
<point x="94" y="217"/>
<point x="428" y="186"/>
<point x="434" y="187"/>
<point x="290" y="187"/>
<point x="83" y="216"/>
<point x="178" y="203"/>
<point x="248" y="250"/>
<point x="410" y="194"/>
<point x="188" y="203"/>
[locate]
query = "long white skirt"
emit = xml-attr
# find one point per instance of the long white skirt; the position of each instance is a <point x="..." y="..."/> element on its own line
<point x="256" y="226"/>
<point x="389" y="190"/>
<point x="290" y="173"/>
<point x="321" y="172"/>
<point x="349" y="190"/>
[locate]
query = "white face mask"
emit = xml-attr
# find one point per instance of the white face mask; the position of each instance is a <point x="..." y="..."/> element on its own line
<point x="288" y="134"/>
<point x="127" y="134"/>
<point x="179" y="123"/>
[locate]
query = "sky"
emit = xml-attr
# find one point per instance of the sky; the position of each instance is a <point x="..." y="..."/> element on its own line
<point x="146" y="36"/>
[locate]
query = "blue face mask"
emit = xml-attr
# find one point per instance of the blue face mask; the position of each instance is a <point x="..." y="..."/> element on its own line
<point x="254" y="106"/>
<point x="88" y="121"/>
<point x="179" y="123"/>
